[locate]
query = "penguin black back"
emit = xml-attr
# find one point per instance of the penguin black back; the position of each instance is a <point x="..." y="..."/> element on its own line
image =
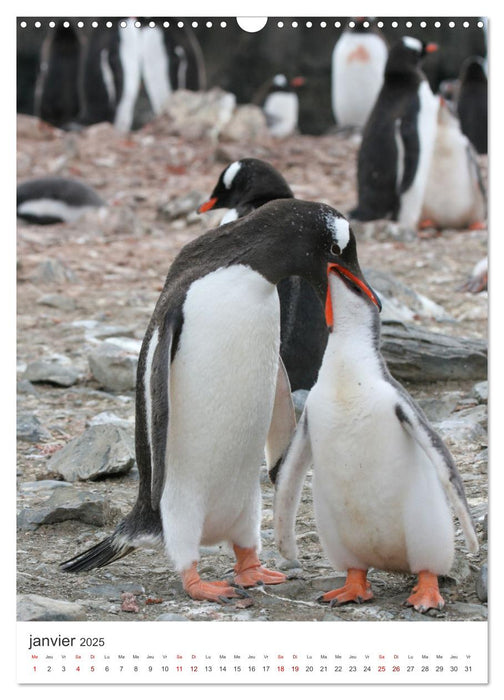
<point x="393" y="119"/>
<point x="472" y="103"/>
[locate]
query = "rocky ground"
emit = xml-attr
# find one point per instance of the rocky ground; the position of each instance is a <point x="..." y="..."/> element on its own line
<point x="82" y="284"/>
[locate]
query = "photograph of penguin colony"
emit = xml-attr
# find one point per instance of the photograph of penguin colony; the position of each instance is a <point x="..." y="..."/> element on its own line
<point x="252" y="319"/>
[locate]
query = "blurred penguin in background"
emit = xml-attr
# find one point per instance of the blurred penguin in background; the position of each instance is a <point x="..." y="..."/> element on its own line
<point x="56" y="91"/>
<point x="281" y="105"/>
<point x="358" y="64"/>
<point x="472" y="103"/>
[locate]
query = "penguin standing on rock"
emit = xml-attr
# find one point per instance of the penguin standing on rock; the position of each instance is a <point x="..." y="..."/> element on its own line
<point x="281" y="106"/>
<point x="472" y="103"/>
<point x="396" y="149"/>
<point x="358" y="63"/>
<point x="244" y="186"/>
<point x="381" y="475"/>
<point x="211" y="392"/>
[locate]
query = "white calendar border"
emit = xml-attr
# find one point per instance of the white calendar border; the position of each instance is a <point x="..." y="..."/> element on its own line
<point x="258" y="8"/>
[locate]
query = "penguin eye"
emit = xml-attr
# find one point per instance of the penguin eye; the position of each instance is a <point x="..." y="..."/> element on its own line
<point x="335" y="249"/>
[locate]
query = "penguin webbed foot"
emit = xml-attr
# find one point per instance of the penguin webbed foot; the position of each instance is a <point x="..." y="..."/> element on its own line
<point x="213" y="591"/>
<point x="425" y="595"/>
<point x="357" y="589"/>
<point x="248" y="571"/>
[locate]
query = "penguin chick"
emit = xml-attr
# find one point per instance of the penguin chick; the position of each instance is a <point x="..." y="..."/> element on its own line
<point x="211" y="392"/>
<point x="454" y="194"/>
<point x="381" y="474"/>
<point x="244" y="186"/>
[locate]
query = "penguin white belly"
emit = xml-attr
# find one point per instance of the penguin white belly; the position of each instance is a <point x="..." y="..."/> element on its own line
<point x="452" y="196"/>
<point x="412" y="200"/>
<point x="223" y="382"/>
<point x="52" y="208"/>
<point x="378" y="501"/>
<point x="281" y="109"/>
<point x="358" y="65"/>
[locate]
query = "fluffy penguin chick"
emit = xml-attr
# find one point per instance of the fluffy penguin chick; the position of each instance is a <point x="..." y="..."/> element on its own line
<point x="211" y="392"/>
<point x="381" y="474"/>
<point x="454" y="194"/>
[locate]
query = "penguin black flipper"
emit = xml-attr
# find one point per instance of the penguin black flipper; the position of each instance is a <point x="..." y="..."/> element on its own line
<point x="103" y="553"/>
<point x="160" y="411"/>
<point x="410" y="145"/>
<point x="283" y="422"/>
<point x="413" y="421"/>
<point x="288" y="480"/>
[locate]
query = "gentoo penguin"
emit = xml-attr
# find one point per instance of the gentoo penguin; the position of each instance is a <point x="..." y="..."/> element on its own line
<point x="121" y="59"/>
<point x="381" y="474"/>
<point x="57" y="100"/>
<point x="454" y="194"/>
<point x="211" y="391"/>
<point x="472" y="103"/>
<point x="244" y="186"/>
<point x="357" y="67"/>
<point x="395" y="153"/>
<point x="281" y="106"/>
<point x="52" y="200"/>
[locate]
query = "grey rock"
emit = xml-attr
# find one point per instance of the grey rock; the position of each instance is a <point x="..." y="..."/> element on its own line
<point x="58" y="301"/>
<point x="53" y="271"/>
<point x="102" y="450"/>
<point x="32" y="607"/>
<point x="28" y="487"/>
<point x="416" y="355"/>
<point x="480" y="391"/>
<point x="437" y="409"/>
<point x="196" y="115"/>
<point x="113" y="367"/>
<point x="57" y="369"/>
<point x="179" y="207"/>
<point x="469" y="611"/>
<point x="67" y="504"/>
<point x="171" y="617"/>
<point x="24" y="386"/>
<point x="108" y="418"/>
<point x="29" y="428"/>
<point x="401" y="303"/>
<point x="248" y="124"/>
<point x="94" y="329"/>
<point x="114" y="590"/>
<point x="482" y="583"/>
<point x="468" y="425"/>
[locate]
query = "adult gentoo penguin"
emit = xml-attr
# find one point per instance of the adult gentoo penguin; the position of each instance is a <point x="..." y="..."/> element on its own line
<point x="244" y="186"/>
<point x="454" y="194"/>
<point x="472" y="102"/>
<point x="52" y="200"/>
<point x="357" y="66"/>
<point x="380" y="473"/>
<point x="281" y="106"/>
<point x="395" y="153"/>
<point x="211" y="391"/>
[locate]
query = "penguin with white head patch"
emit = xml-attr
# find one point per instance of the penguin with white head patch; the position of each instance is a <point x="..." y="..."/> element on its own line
<point x="211" y="392"/>
<point x="396" y="149"/>
<point x="52" y="200"/>
<point x="454" y="194"/>
<point x="244" y="186"/>
<point x="357" y="66"/>
<point x="472" y="102"/>
<point x="281" y="106"/>
<point x="381" y="475"/>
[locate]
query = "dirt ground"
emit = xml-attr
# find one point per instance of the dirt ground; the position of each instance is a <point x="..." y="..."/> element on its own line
<point x="117" y="267"/>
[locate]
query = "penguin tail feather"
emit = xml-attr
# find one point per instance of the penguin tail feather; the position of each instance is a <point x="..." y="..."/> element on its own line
<point x="103" y="553"/>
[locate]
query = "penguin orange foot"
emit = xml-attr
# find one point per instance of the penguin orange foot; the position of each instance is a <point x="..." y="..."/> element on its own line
<point x="248" y="570"/>
<point x="478" y="226"/>
<point x="357" y="589"/>
<point x="426" y="593"/>
<point x="214" y="591"/>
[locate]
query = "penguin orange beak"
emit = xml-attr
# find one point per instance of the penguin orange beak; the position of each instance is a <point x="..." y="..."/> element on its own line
<point x="206" y="206"/>
<point x="359" y="282"/>
<point x="431" y="48"/>
<point x="298" y="81"/>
